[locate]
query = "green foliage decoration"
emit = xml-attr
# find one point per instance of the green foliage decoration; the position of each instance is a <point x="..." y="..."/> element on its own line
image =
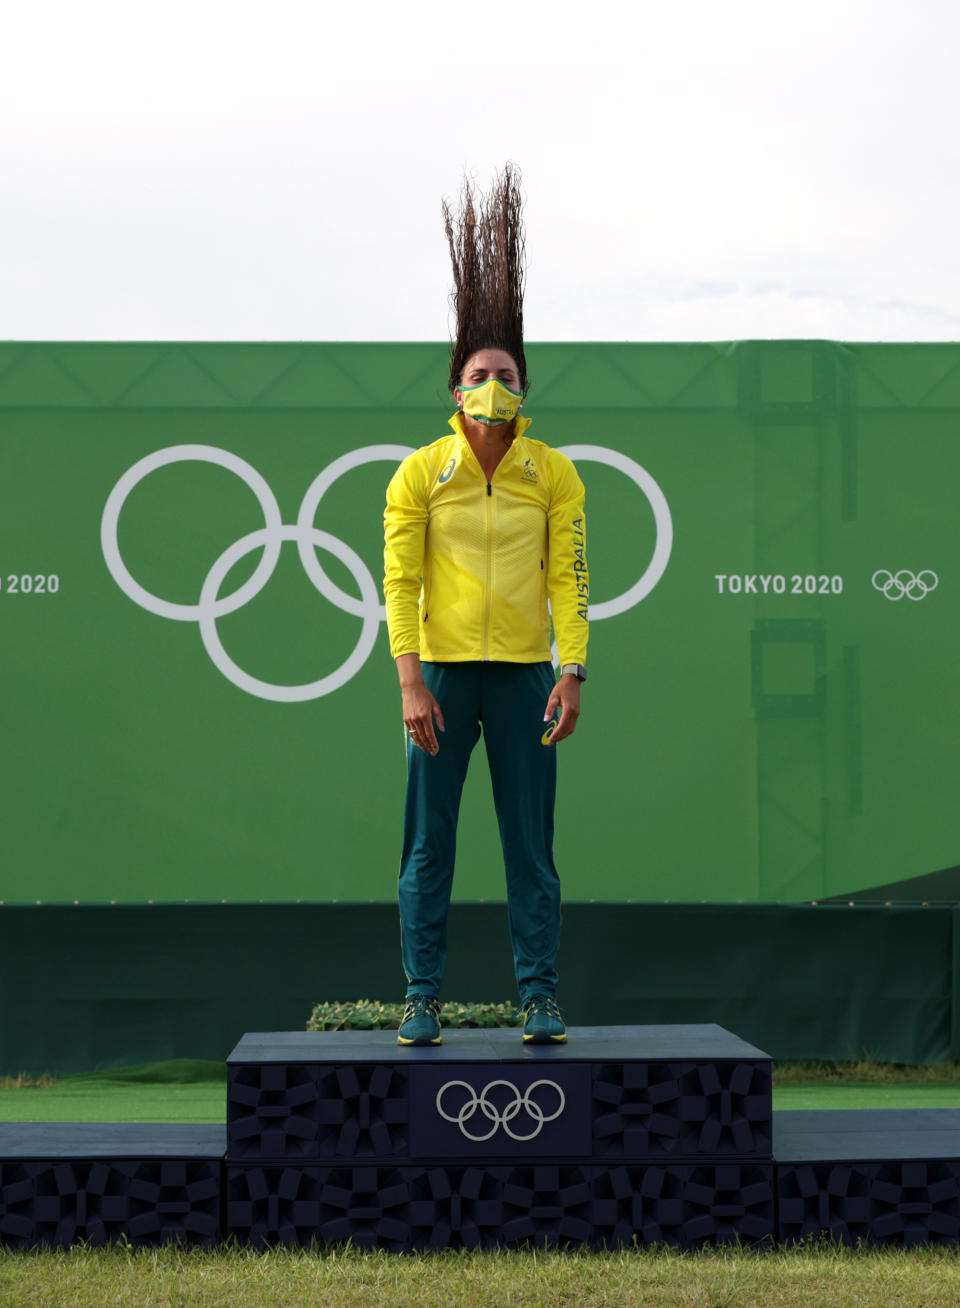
<point x="372" y="1015"/>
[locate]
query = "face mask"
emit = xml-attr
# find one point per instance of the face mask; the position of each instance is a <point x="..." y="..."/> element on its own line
<point x="491" y="402"/>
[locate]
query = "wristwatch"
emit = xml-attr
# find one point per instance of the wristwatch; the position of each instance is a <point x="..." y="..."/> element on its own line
<point x="575" y="670"/>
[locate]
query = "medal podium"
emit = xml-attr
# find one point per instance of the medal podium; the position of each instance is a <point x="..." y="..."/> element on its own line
<point x="623" y="1134"/>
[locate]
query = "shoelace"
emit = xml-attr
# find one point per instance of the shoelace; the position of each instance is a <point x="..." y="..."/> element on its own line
<point x="421" y="1006"/>
<point x="541" y="1004"/>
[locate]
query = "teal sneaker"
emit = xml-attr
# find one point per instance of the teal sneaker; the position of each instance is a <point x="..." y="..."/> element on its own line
<point x="542" y="1023"/>
<point x="421" y="1021"/>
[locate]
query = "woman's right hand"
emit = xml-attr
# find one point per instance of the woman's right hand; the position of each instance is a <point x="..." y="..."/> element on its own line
<point x="420" y="711"/>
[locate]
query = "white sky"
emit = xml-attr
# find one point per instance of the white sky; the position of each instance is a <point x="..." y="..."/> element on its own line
<point x="694" y="170"/>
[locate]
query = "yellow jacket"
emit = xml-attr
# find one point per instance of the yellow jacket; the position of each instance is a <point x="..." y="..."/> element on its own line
<point x="469" y="567"/>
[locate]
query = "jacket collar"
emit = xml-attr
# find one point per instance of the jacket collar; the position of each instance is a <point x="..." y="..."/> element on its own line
<point x="520" y="425"/>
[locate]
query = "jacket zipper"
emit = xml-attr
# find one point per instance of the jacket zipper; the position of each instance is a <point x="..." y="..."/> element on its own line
<point x="488" y="546"/>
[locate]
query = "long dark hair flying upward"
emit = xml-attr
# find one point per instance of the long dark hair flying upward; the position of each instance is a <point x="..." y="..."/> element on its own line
<point x="487" y="251"/>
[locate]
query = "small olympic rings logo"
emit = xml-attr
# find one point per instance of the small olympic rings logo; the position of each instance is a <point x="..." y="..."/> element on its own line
<point x="501" y="1116"/>
<point x="895" y="585"/>
<point x="308" y="538"/>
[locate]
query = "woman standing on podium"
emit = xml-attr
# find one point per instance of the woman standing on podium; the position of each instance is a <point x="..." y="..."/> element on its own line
<point x="482" y="529"/>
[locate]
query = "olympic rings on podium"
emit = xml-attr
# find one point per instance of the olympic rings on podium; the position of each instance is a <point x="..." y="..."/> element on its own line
<point x="501" y="1117"/>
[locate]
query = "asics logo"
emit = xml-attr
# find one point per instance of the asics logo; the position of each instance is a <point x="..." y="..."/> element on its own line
<point x="915" y="586"/>
<point x="512" y="1103"/>
<point x="271" y="537"/>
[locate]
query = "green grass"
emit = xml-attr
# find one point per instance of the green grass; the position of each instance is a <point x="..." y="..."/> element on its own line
<point x="98" y="1103"/>
<point x="181" y="1090"/>
<point x="867" y="1094"/>
<point x="192" y="1091"/>
<point x="865" y="1084"/>
<point x="238" y="1278"/>
<point x="863" y="1070"/>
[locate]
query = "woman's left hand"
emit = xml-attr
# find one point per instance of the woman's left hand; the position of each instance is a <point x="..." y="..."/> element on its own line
<point x="565" y="696"/>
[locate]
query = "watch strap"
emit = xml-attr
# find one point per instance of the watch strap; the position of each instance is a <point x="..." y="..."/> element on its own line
<point x="574" y="669"/>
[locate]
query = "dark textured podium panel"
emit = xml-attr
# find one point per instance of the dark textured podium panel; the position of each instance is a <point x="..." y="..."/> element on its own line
<point x="649" y="1110"/>
<point x="318" y="1110"/>
<point x="872" y="1175"/>
<point x="101" y="1183"/>
<point x="541" y="1204"/>
<point x="610" y="1093"/>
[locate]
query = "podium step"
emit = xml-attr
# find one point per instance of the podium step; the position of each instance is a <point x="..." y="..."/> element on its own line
<point x="102" y="1183"/>
<point x="611" y="1093"/>
<point x="880" y="1176"/>
<point x="554" y="1205"/>
<point x="623" y="1134"/>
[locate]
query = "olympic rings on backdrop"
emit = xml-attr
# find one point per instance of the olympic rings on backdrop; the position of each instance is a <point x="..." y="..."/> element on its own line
<point x="501" y="1117"/>
<point x="308" y="538"/>
<point x="269" y="538"/>
<point x="894" y="585"/>
<point x="661" y="517"/>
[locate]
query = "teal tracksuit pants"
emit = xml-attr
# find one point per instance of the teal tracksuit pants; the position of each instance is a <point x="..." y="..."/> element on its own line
<point x="505" y="701"/>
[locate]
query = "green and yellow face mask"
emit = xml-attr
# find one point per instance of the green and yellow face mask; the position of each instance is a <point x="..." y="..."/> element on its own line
<point x="491" y="402"/>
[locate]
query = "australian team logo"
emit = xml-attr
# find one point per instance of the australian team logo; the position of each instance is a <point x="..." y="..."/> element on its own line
<point x="269" y="539"/>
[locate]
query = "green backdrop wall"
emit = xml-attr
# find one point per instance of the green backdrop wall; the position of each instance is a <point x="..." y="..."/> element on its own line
<point x="189" y="531"/>
<point x="771" y="712"/>
<point x="98" y="986"/>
